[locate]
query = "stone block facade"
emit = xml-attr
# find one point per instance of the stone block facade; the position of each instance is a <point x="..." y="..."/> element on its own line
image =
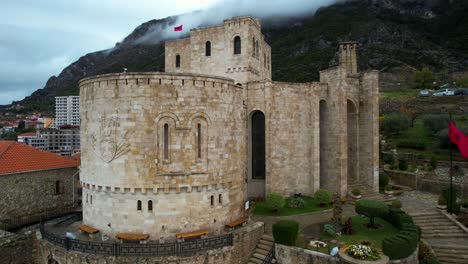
<point x="35" y="195"/>
<point x="164" y="153"/>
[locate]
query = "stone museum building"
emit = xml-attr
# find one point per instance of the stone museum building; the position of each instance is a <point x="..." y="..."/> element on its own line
<point x="183" y="150"/>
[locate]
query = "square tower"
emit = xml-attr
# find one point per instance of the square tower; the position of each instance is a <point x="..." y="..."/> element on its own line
<point x="237" y="50"/>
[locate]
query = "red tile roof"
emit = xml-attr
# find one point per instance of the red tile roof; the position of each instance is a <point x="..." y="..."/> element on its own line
<point x="28" y="134"/>
<point x="17" y="157"/>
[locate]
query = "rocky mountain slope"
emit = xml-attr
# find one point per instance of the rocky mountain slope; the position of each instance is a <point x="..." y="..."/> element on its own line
<point x="395" y="36"/>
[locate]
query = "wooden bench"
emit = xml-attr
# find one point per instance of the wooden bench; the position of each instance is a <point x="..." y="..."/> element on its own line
<point x="132" y="237"/>
<point x="236" y="223"/>
<point x="198" y="233"/>
<point x="88" y="229"/>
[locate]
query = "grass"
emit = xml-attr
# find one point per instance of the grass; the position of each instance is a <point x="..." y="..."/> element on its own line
<point x="399" y="94"/>
<point x="310" y="206"/>
<point x="362" y="233"/>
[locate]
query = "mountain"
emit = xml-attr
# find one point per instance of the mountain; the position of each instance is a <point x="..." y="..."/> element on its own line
<point x="395" y="36"/>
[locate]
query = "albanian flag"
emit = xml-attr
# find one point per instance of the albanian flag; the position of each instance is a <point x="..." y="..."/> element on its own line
<point x="458" y="138"/>
<point x="179" y="28"/>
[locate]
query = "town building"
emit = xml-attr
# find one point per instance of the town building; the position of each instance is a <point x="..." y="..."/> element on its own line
<point x="67" y="110"/>
<point x="34" y="184"/>
<point x="64" y="140"/>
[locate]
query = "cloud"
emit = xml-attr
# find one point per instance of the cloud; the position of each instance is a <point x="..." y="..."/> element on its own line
<point x="230" y="8"/>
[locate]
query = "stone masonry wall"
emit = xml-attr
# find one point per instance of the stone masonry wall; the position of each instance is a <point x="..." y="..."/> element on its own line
<point x="18" y="249"/>
<point x="293" y="255"/>
<point x="247" y="66"/>
<point x="124" y="159"/>
<point x="34" y="195"/>
<point x="245" y="241"/>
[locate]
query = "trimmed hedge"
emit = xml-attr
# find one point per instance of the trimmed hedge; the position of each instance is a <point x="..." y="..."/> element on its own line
<point x="323" y="197"/>
<point x="405" y="242"/>
<point x="285" y="232"/>
<point x="371" y="209"/>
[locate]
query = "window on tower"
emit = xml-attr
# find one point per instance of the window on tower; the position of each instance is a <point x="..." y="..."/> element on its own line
<point x="237" y="45"/>
<point x="208" y="48"/>
<point x="177" y="61"/>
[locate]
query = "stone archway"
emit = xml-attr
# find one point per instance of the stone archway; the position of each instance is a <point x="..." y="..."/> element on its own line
<point x="257" y="159"/>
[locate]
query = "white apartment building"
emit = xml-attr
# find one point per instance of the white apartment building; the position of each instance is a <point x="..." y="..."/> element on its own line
<point x="67" y="110"/>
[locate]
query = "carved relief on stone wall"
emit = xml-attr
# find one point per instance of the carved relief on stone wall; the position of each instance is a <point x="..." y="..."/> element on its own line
<point x="109" y="142"/>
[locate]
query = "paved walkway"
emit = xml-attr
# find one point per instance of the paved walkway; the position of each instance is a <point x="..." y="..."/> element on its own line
<point x="418" y="202"/>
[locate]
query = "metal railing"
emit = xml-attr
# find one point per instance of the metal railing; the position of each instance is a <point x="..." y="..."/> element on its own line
<point x="271" y="255"/>
<point x="133" y="249"/>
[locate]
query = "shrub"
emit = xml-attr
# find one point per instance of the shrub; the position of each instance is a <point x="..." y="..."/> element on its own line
<point x="383" y="180"/>
<point x="452" y="205"/>
<point x="395" y="123"/>
<point x="398" y="218"/>
<point x="388" y="188"/>
<point x="435" y="123"/>
<point x="433" y="162"/>
<point x="396" y="204"/>
<point x="356" y="192"/>
<point x="323" y="197"/>
<point x="425" y="255"/>
<point x="413" y="143"/>
<point x="275" y="201"/>
<point x="443" y="139"/>
<point x="371" y="209"/>
<point x="296" y="203"/>
<point x="402" y="244"/>
<point x="388" y="158"/>
<point x="285" y="232"/>
<point x="464" y="203"/>
<point x="402" y="164"/>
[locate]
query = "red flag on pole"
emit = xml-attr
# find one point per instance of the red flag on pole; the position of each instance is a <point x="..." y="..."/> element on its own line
<point x="458" y="138"/>
<point x="179" y="28"/>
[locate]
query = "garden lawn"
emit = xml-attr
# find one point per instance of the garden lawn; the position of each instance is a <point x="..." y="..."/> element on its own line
<point x="375" y="236"/>
<point x="310" y="206"/>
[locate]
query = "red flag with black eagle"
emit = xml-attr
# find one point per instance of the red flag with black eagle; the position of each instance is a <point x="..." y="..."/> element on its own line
<point x="179" y="28"/>
<point x="458" y="138"/>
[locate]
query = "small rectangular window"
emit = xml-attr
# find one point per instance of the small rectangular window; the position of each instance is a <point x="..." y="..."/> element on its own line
<point x="199" y="141"/>
<point x="139" y="205"/>
<point x="212" y="200"/>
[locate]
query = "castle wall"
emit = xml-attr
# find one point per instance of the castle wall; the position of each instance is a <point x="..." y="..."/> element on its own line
<point x="124" y="159"/>
<point x="292" y="122"/>
<point x="251" y="64"/>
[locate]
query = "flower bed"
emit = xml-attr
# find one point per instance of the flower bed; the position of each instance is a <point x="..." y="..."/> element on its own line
<point x="362" y="252"/>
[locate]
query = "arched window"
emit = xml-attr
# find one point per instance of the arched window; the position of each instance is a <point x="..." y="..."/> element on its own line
<point x="150" y="206"/>
<point x="177" y="61"/>
<point x="237" y="45"/>
<point x="91" y="199"/>
<point x="139" y="205"/>
<point x="208" y="48"/>
<point x="166" y="141"/>
<point x="220" y="198"/>
<point x="199" y="140"/>
<point x="253" y="47"/>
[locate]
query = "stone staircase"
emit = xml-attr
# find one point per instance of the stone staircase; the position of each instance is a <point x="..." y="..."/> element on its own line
<point x="447" y="239"/>
<point x="368" y="193"/>
<point x="264" y="246"/>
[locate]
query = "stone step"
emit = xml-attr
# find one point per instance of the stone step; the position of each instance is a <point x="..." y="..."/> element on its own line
<point x="444" y="235"/>
<point x="448" y="231"/>
<point x="425" y="214"/>
<point x="259" y="256"/>
<point x="451" y="259"/>
<point x="264" y="242"/>
<point x="255" y="260"/>
<point x="462" y="245"/>
<point x="268" y="238"/>
<point x="438" y="216"/>
<point x="434" y="223"/>
<point x="448" y="255"/>
<point x="452" y="252"/>
<point x="264" y="247"/>
<point x="261" y="251"/>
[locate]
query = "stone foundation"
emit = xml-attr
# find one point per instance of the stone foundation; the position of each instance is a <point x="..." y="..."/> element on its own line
<point x="17" y="248"/>
<point x="245" y="241"/>
<point x="293" y="255"/>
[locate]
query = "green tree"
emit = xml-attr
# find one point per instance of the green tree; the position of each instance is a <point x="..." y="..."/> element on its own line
<point x="424" y="78"/>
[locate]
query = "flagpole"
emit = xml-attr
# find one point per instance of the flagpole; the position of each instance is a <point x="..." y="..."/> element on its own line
<point x="451" y="174"/>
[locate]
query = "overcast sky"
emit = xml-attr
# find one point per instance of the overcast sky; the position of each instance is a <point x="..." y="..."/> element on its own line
<point x="38" y="38"/>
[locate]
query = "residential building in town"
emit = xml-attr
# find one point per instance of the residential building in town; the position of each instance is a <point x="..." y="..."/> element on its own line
<point x="67" y="110"/>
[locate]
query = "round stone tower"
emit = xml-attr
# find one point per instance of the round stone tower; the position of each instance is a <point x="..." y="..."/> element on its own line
<point x="161" y="153"/>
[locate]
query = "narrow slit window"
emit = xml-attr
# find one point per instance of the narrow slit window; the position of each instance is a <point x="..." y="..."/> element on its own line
<point x="87" y="198"/>
<point x="177" y="61"/>
<point x="264" y="60"/>
<point x="199" y="141"/>
<point x="253" y="47"/>
<point x="237" y="45"/>
<point x="220" y="198"/>
<point x="139" y="205"/>
<point x="212" y="200"/>
<point x="208" y="48"/>
<point x="166" y="141"/>
<point x="91" y="199"/>
<point x="150" y="206"/>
